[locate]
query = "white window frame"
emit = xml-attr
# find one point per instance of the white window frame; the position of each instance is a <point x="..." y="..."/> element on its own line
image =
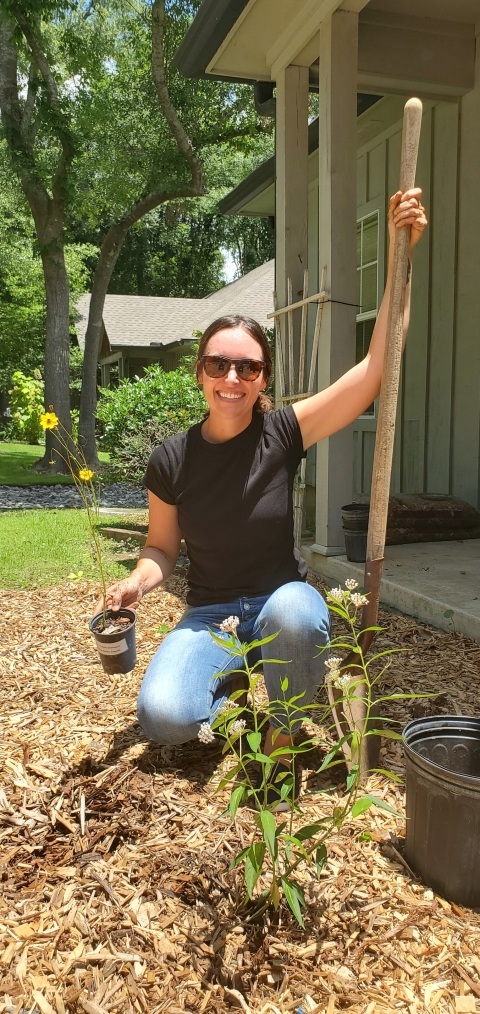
<point x="370" y="314"/>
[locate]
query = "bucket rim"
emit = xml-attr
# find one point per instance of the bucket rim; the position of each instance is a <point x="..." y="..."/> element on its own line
<point x="440" y="723"/>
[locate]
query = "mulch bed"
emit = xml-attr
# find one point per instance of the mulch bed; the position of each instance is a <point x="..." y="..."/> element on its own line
<point x="114" y="854"/>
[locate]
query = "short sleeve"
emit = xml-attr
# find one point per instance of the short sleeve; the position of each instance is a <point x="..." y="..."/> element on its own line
<point x="158" y="477"/>
<point x="283" y="424"/>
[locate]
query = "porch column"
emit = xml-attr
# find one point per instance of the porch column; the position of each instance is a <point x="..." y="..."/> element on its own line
<point x="337" y="250"/>
<point x="105" y="374"/>
<point x="291" y="187"/>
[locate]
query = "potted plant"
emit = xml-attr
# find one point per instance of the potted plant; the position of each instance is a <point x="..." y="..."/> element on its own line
<point x="114" y="633"/>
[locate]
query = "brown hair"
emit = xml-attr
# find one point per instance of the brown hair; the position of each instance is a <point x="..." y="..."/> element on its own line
<point x="255" y="330"/>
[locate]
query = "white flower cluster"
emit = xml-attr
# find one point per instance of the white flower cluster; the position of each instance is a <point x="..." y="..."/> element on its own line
<point x="225" y="706"/>
<point x="229" y="626"/>
<point x="205" y="733"/>
<point x="339" y="680"/>
<point x="238" y="726"/>
<point x="344" y="597"/>
<point x="333" y="662"/>
<point x="358" y="599"/>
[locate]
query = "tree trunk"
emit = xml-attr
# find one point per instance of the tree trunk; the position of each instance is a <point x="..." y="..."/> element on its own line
<point x="109" y="253"/>
<point x="57" y="351"/>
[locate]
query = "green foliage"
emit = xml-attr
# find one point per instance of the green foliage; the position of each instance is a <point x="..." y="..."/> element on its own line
<point x="26" y="406"/>
<point x="276" y="850"/>
<point x="173" y="400"/>
<point x="129" y="458"/>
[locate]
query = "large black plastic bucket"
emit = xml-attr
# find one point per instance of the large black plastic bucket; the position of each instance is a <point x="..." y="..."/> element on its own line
<point x="443" y="805"/>
<point x="355" y="528"/>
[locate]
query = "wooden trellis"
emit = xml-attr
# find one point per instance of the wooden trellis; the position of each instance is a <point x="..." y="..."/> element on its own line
<point x="295" y="383"/>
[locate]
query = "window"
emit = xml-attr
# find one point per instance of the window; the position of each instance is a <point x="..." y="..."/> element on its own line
<point x="367" y="286"/>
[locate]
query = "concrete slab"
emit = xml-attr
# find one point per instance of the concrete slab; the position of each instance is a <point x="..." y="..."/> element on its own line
<point x="425" y="580"/>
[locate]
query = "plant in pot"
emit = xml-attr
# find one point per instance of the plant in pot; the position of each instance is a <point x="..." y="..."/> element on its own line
<point x="114" y="633"/>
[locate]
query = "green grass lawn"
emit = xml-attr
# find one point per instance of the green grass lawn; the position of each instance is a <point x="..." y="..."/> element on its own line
<point x="17" y="460"/>
<point x="42" y="547"/>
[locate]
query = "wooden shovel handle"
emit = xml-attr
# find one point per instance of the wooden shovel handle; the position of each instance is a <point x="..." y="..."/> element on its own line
<point x="382" y="462"/>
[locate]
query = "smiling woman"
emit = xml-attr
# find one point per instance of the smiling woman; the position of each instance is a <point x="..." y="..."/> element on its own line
<point x="226" y="487"/>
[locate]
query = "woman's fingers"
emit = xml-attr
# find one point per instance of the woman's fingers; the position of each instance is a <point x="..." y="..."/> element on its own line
<point x="122" y="593"/>
<point x="406" y="209"/>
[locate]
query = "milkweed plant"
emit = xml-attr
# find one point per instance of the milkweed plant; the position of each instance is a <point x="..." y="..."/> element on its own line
<point x="278" y="850"/>
<point x="83" y="476"/>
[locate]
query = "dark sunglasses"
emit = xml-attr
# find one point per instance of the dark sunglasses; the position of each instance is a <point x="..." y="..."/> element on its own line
<point x="219" y="366"/>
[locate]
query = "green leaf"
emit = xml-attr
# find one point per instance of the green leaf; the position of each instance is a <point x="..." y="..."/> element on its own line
<point x="254" y="739"/>
<point x="295" y="898"/>
<point x="241" y="855"/>
<point x="269" y="826"/>
<point x="361" y="805"/>
<point x="364" y="836"/>
<point x="352" y="776"/>
<point x="387" y="733"/>
<point x="309" y="831"/>
<point x="448" y="614"/>
<point x="388" y="774"/>
<point x="228" y="777"/>
<point x="162" y="629"/>
<point x="235" y="800"/>
<point x="284" y="684"/>
<point x="253" y="865"/>
<point x="385" y="806"/>
<point x="320" y="857"/>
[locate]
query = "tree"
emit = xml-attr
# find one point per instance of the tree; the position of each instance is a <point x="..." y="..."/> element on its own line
<point x="25" y="119"/>
<point x="88" y="98"/>
<point x="211" y="115"/>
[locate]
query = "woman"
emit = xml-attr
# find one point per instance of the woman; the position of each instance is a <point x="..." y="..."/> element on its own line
<point x="226" y="487"/>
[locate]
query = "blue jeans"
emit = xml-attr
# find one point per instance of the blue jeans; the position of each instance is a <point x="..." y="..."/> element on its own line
<point x="190" y="675"/>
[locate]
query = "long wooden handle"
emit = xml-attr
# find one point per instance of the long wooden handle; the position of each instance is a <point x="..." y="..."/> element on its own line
<point x="382" y="462"/>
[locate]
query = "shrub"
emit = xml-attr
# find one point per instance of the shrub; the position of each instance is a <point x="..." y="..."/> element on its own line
<point x="129" y="459"/>
<point x="26" y="406"/>
<point x="138" y="412"/>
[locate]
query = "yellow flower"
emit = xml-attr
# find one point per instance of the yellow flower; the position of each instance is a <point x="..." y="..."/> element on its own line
<point x="85" y="474"/>
<point x="48" y="421"/>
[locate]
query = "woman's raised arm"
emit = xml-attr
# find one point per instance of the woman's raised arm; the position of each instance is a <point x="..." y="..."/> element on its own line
<point x="341" y="403"/>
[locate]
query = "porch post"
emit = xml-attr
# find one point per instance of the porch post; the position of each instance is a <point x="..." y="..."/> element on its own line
<point x="337" y="246"/>
<point x="291" y="186"/>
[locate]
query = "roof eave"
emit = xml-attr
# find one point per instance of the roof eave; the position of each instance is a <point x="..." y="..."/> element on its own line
<point x="208" y="30"/>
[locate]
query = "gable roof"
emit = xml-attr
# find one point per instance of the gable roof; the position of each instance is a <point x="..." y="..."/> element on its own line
<point x="142" y="321"/>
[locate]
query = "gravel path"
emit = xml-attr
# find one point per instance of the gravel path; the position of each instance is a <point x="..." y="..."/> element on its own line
<point x="119" y="494"/>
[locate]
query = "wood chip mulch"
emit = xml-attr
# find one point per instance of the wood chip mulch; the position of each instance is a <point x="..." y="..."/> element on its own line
<point x="114" y="854"/>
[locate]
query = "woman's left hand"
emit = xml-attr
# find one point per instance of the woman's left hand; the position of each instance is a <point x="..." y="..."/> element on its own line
<point x="407" y="209"/>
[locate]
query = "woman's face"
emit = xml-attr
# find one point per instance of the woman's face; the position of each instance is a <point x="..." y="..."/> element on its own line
<point x="231" y="397"/>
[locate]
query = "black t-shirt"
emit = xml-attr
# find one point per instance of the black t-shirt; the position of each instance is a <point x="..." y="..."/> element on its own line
<point x="235" y="506"/>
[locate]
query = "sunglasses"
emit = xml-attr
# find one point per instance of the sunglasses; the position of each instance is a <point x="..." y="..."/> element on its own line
<point x="219" y="366"/>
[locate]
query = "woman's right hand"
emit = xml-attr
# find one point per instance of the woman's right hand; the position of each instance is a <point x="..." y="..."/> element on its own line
<point x="123" y="593"/>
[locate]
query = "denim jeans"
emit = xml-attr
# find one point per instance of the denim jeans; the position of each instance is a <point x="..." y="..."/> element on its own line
<point x="190" y="675"/>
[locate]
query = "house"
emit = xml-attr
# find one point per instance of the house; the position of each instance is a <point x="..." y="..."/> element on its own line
<point x="328" y="190"/>
<point x="141" y="330"/>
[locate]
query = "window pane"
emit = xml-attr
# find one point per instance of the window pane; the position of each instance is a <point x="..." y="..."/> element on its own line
<point x="369" y="288"/>
<point x="359" y="244"/>
<point x="370" y="239"/>
<point x="359" y="295"/>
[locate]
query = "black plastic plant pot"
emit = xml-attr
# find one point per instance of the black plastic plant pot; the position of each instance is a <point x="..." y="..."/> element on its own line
<point x="117" y="650"/>
<point x="443" y="805"/>
<point x="355" y="517"/>
<point x="355" y="546"/>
